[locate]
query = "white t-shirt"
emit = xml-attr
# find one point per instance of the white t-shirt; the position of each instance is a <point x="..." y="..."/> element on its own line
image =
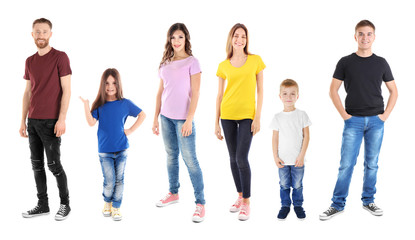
<point x="290" y="133"/>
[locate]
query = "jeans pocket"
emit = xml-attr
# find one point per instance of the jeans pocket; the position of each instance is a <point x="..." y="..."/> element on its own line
<point x="380" y="119"/>
<point x="347" y="120"/>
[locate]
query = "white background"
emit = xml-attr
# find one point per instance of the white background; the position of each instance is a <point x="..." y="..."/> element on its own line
<point x="302" y="40"/>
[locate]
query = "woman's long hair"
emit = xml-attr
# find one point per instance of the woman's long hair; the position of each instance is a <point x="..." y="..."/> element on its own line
<point x="229" y="46"/>
<point x="101" y="98"/>
<point x="168" y="49"/>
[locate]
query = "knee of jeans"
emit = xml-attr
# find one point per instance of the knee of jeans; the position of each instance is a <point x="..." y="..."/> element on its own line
<point x="297" y="185"/>
<point x="56" y="168"/>
<point x="242" y="162"/>
<point x="38" y="165"/>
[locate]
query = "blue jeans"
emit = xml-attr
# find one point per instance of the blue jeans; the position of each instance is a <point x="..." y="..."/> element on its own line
<point x="355" y="129"/>
<point x="238" y="138"/>
<point x="113" y="166"/>
<point x="291" y="176"/>
<point x="174" y="143"/>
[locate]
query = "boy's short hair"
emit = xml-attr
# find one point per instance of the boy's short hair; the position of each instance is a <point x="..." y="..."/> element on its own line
<point x="364" y="23"/>
<point x="42" y="20"/>
<point x="289" y="83"/>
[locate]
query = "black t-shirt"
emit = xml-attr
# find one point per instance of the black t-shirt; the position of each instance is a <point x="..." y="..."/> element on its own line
<point x="363" y="78"/>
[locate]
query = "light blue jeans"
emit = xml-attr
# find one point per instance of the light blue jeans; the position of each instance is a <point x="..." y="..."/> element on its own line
<point x="113" y="166"/>
<point x="291" y="176"/>
<point x="175" y="143"/>
<point x="355" y="129"/>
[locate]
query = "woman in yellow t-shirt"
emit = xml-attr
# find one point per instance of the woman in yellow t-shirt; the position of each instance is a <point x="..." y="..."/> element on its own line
<point x="235" y="108"/>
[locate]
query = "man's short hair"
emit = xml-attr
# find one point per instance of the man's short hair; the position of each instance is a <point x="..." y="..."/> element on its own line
<point x="364" y="23"/>
<point x="42" y="20"/>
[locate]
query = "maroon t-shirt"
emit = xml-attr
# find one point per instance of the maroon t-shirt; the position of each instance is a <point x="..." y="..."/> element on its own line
<point x="44" y="73"/>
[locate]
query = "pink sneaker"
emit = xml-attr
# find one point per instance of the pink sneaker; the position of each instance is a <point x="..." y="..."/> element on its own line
<point x="237" y="205"/>
<point x="244" y="213"/>
<point x="199" y="214"/>
<point x="168" y="199"/>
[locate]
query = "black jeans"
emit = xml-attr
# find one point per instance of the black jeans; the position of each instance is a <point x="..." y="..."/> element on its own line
<point x="43" y="139"/>
<point x="238" y="138"/>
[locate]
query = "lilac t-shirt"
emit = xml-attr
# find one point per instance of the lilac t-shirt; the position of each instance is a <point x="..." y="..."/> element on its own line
<point x="175" y="99"/>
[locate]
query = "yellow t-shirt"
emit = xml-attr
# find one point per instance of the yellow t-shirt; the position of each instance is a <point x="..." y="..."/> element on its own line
<point x="238" y="101"/>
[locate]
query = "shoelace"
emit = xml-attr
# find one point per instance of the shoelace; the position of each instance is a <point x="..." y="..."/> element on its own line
<point x="330" y="211"/>
<point x="238" y="202"/>
<point x="62" y="209"/>
<point x="373" y="206"/>
<point x="107" y="207"/>
<point x="244" y="209"/>
<point x="166" y="197"/>
<point x="198" y="210"/>
<point x="34" y="209"/>
<point x="116" y="211"/>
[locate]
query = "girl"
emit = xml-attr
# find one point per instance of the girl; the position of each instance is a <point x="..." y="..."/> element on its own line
<point x="111" y="109"/>
<point x="236" y="109"/>
<point x="176" y="102"/>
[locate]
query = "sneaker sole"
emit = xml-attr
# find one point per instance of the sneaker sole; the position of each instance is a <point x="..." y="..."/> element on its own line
<point x="25" y="215"/>
<point x="59" y="218"/>
<point x="198" y="220"/>
<point x="107" y="214"/>
<point x="324" y="218"/>
<point x="159" y="204"/>
<point x="373" y="213"/>
<point x="283" y="219"/>
<point x="234" y="210"/>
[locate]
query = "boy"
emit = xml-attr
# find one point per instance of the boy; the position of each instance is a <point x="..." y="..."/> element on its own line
<point x="364" y="116"/>
<point x="289" y="144"/>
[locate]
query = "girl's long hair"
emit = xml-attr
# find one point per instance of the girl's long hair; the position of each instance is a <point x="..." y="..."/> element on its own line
<point x="229" y="47"/>
<point x="101" y="98"/>
<point x="168" y="49"/>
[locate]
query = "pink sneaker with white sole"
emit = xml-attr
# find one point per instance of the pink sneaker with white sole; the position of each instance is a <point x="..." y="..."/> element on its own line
<point x="244" y="212"/>
<point x="237" y="205"/>
<point x="199" y="214"/>
<point x="168" y="199"/>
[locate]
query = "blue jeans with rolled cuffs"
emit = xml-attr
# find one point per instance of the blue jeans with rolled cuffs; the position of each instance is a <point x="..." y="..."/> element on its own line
<point x="291" y="177"/>
<point x="174" y="143"/>
<point x="355" y="130"/>
<point x="113" y="166"/>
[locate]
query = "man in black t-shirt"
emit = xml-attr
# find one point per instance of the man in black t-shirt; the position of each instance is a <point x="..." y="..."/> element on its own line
<point x="364" y="116"/>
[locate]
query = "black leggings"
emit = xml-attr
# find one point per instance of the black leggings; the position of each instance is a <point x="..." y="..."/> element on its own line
<point x="238" y="138"/>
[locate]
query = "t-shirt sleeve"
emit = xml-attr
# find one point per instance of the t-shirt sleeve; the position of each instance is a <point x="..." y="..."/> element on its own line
<point x="274" y="124"/>
<point x="133" y="110"/>
<point x="221" y="73"/>
<point x="26" y="75"/>
<point x="64" y="67"/>
<point x="95" y="114"/>
<point x="306" y="120"/>
<point x="260" y="65"/>
<point x="339" y="73"/>
<point x="387" y="75"/>
<point x="194" y="67"/>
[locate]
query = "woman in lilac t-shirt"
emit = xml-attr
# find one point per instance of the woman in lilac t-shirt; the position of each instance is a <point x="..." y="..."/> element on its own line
<point x="176" y="102"/>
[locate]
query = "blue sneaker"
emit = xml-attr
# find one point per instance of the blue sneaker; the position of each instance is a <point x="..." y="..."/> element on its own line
<point x="282" y="215"/>
<point x="299" y="211"/>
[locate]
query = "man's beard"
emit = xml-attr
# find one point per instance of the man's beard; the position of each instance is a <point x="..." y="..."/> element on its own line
<point x="42" y="45"/>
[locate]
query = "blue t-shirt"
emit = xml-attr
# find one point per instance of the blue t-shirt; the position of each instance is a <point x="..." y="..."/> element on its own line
<point x="112" y="117"/>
